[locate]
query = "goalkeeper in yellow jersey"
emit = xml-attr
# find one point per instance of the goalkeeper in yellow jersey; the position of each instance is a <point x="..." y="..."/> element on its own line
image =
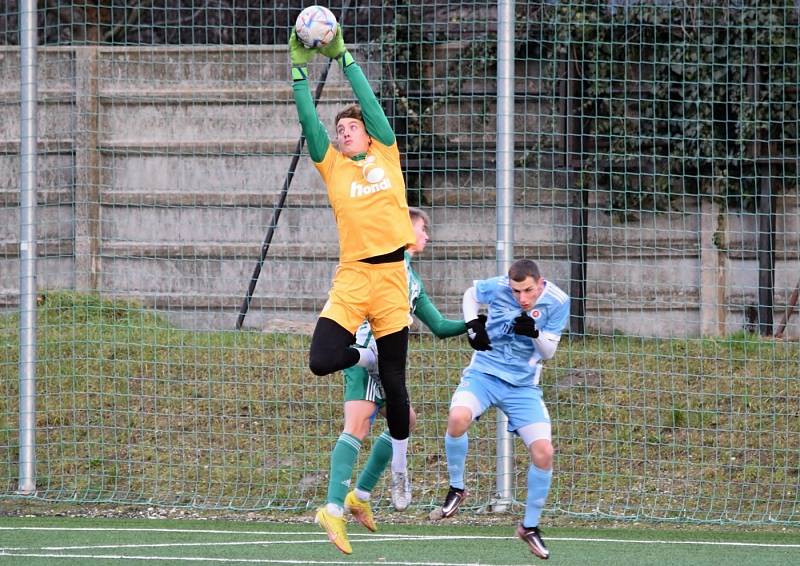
<point x="362" y="396"/>
<point x="367" y="193"/>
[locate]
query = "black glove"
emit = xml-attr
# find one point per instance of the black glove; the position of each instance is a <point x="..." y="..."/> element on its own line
<point x="476" y="334"/>
<point x="525" y="326"/>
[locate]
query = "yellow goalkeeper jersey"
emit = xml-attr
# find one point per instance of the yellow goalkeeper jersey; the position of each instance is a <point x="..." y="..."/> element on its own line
<point x="368" y="198"/>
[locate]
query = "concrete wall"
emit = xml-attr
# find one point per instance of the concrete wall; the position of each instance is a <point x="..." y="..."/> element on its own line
<point x="159" y="169"/>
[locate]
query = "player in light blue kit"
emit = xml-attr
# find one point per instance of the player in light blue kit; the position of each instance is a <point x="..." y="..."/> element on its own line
<point x="526" y="315"/>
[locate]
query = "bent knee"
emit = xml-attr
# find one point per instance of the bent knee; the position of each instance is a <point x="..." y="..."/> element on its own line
<point x="412" y="419"/>
<point x="458" y="421"/>
<point x="326" y="362"/>
<point x="542" y="453"/>
<point x="319" y="367"/>
<point x="359" y="429"/>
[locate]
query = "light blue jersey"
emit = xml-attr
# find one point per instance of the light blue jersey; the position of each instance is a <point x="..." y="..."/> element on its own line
<point x="514" y="358"/>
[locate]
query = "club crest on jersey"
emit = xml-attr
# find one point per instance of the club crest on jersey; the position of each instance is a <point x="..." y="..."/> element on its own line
<point x="535" y="313"/>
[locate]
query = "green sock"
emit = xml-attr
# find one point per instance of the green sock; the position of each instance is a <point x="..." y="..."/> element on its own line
<point x="379" y="458"/>
<point x="343" y="458"/>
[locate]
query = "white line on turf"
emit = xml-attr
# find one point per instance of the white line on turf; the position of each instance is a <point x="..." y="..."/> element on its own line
<point x="399" y="536"/>
<point x="385" y="538"/>
<point x="243" y="560"/>
<point x="374" y="537"/>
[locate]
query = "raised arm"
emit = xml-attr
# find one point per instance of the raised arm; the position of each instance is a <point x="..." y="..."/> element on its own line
<point x="375" y="119"/>
<point x="313" y="129"/>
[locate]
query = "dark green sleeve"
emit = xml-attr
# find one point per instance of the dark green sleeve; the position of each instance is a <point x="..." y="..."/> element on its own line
<point x="433" y="319"/>
<point x="374" y="118"/>
<point x="315" y="133"/>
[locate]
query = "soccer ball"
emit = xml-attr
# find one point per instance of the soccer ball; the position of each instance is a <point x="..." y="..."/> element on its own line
<point x="315" y="26"/>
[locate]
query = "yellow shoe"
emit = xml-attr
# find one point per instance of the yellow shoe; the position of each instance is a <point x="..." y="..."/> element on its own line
<point x="360" y="510"/>
<point x="335" y="527"/>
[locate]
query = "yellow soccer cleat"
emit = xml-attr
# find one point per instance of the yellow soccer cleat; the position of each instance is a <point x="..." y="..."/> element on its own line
<point x="360" y="510"/>
<point x="335" y="527"/>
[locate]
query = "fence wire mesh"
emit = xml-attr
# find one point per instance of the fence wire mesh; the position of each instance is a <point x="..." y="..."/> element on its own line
<point x="656" y="151"/>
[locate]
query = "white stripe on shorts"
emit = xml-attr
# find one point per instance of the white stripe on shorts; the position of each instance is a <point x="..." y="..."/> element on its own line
<point x="468" y="400"/>
<point x="533" y="432"/>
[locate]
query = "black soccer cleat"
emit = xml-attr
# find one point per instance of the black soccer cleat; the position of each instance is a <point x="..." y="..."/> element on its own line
<point x="533" y="538"/>
<point x="454" y="498"/>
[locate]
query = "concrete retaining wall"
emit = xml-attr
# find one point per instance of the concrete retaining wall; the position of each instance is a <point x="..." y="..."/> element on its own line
<point x="159" y="169"/>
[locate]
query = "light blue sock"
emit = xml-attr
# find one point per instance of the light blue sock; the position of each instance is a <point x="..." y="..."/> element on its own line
<point x="538" y="488"/>
<point x="456" y="450"/>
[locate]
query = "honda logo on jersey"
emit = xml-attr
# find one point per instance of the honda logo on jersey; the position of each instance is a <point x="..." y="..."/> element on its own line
<point x="359" y="190"/>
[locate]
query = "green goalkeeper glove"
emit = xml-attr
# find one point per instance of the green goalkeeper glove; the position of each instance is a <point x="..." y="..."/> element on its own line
<point x="336" y="49"/>
<point x="300" y="56"/>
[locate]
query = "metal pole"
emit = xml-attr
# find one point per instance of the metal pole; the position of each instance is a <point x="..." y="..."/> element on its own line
<point x="505" y="217"/>
<point x="765" y="212"/>
<point x="578" y="199"/>
<point x="27" y="250"/>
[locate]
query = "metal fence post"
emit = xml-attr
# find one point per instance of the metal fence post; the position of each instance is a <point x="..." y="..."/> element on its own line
<point x="505" y="217"/>
<point x="27" y="251"/>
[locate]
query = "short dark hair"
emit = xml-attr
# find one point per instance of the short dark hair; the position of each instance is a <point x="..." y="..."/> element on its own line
<point x="522" y="269"/>
<point x="415" y="213"/>
<point x="352" y="111"/>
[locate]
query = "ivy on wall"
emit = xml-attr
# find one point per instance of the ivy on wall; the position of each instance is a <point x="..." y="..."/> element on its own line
<point x="683" y="100"/>
<point x="675" y="100"/>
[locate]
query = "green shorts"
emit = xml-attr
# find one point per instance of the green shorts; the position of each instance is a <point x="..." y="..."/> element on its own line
<point x="360" y="386"/>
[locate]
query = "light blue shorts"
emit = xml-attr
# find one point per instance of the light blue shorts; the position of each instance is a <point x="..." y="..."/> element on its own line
<point x="523" y="405"/>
